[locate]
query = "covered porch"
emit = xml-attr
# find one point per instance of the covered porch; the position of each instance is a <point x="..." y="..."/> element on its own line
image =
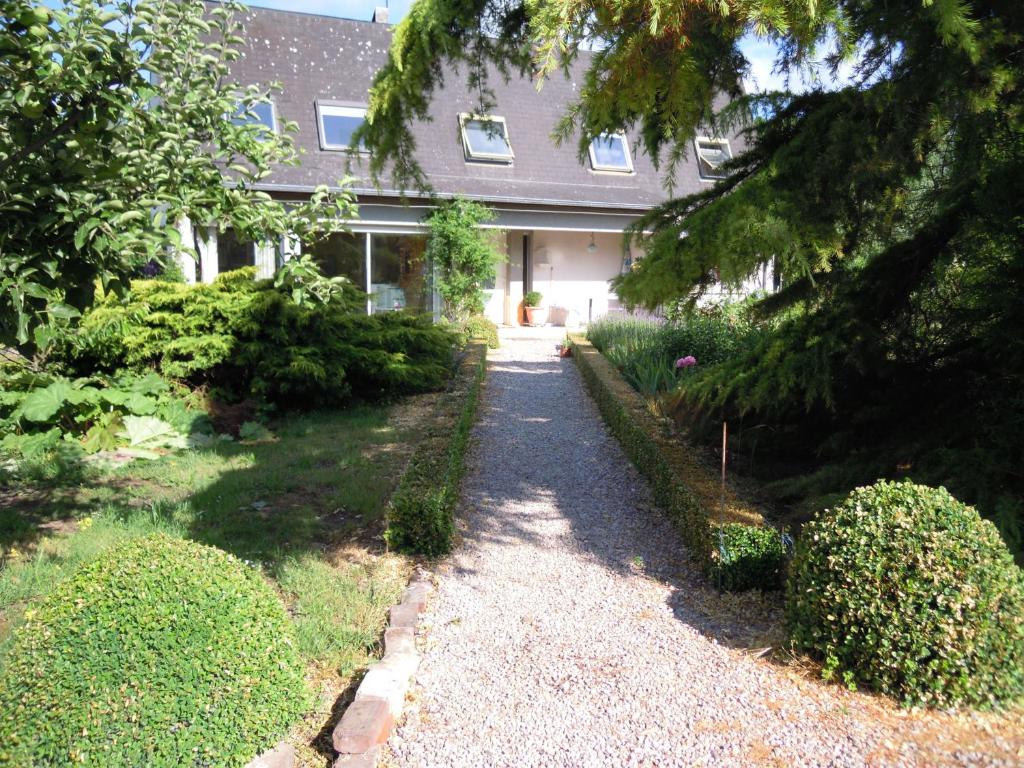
<point x="568" y="255"/>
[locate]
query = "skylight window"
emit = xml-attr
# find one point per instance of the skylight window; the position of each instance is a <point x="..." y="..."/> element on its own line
<point x="610" y="152"/>
<point x="337" y="123"/>
<point x="485" y="138"/>
<point x="711" y="155"/>
<point x="257" y="114"/>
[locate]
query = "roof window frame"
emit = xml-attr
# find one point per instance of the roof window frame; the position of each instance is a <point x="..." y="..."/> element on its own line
<point x="485" y="157"/>
<point x="598" y="168"/>
<point x="340" y="109"/>
<point x="701" y="162"/>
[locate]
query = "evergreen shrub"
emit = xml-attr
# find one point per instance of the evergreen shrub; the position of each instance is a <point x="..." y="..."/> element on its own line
<point x="906" y="590"/>
<point x="247" y="338"/>
<point x="748" y="557"/>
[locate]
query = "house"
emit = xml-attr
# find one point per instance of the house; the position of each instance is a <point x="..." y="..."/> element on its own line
<point x="560" y="221"/>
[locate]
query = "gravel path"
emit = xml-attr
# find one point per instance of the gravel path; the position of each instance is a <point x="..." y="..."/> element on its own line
<point x="567" y="629"/>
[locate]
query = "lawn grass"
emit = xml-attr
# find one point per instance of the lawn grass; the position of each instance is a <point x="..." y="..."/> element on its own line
<point x="307" y="507"/>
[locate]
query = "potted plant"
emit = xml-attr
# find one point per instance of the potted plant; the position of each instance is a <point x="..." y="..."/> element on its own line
<point x="535" y="314"/>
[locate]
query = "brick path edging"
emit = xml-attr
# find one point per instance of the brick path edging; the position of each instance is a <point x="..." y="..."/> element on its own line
<point x="370" y="718"/>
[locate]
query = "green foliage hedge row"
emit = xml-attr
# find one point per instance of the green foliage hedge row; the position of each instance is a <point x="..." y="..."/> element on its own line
<point x="247" y="338"/>
<point x="906" y="590"/>
<point x="632" y="427"/>
<point x="481" y="328"/>
<point x="738" y="553"/>
<point x="421" y="514"/>
<point x="748" y="557"/>
<point x="163" y="653"/>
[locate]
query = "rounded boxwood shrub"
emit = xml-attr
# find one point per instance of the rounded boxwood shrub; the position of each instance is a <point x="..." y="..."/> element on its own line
<point x="908" y="591"/>
<point x="162" y="652"/>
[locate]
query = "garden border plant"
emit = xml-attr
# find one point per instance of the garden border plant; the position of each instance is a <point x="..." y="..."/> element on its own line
<point x="421" y="514"/>
<point x="730" y="541"/>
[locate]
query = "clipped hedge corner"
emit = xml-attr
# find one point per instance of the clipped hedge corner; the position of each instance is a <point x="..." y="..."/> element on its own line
<point x="734" y="546"/>
<point x="162" y="652"/>
<point x="907" y="591"/>
<point x="421" y="514"/>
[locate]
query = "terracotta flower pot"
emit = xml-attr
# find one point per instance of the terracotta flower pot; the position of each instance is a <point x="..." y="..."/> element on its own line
<point x="536" y="315"/>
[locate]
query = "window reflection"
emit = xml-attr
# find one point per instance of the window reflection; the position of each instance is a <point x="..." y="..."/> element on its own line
<point x="400" y="278"/>
<point x="341" y="254"/>
<point x="233" y="253"/>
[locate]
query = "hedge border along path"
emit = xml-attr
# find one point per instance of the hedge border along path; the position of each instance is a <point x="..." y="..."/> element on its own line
<point x="421" y="513"/>
<point x="688" y="493"/>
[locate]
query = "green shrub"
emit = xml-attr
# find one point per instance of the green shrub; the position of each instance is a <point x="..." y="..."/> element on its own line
<point x="162" y="652"/>
<point x="245" y="338"/>
<point x="908" y="591"/>
<point x="464" y="256"/>
<point x="533" y="298"/>
<point x="747" y="557"/>
<point x="481" y="328"/>
<point x="421" y="514"/>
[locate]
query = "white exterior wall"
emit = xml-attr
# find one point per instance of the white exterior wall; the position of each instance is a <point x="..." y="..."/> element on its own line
<point x="575" y="282"/>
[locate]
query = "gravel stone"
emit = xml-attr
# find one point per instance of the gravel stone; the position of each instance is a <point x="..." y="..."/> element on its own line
<point x="567" y="630"/>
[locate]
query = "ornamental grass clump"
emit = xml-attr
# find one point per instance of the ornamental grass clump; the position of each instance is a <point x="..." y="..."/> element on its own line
<point x="905" y="590"/>
<point x="162" y="653"/>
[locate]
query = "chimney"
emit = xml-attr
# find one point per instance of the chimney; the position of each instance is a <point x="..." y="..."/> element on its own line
<point x="380" y="15"/>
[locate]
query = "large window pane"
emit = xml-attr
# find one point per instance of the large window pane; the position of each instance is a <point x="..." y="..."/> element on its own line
<point x="344" y="254"/>
<point x="400" y="274"/>
<point x="233" y="253"/>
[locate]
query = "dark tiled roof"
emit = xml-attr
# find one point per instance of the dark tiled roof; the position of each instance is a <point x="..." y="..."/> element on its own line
<point x="318" y="57"/>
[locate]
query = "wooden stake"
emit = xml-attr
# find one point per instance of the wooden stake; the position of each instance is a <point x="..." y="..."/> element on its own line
<point x="725" y="453"/>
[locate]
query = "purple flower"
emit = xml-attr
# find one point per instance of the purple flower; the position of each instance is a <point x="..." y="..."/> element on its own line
<point x="686" y="362"/>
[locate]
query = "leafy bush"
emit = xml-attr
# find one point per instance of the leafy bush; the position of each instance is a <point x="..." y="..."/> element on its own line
<point x="908" y="591"/>
<point x="748" y="557"/>
<point x="481" y="328"/>
<point x="162" y="652"/>
<point x="247" y="338"/>
<point x="42" y="415"/>
<point x="464" y="256"/>
<point x="533" y="298"/>
<point x="421" y="515"/>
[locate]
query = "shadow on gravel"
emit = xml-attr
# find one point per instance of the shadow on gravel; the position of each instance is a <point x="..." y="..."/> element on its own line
<point x="540" y="438"/>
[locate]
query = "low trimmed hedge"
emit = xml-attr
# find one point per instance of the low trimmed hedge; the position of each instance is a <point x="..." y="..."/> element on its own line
<point x="732" y="544"/>
<point x="421" y="513"/>
<point x="905" y="590"/>
<point x="162" y="652"/>
<point x="481" y="328"/>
